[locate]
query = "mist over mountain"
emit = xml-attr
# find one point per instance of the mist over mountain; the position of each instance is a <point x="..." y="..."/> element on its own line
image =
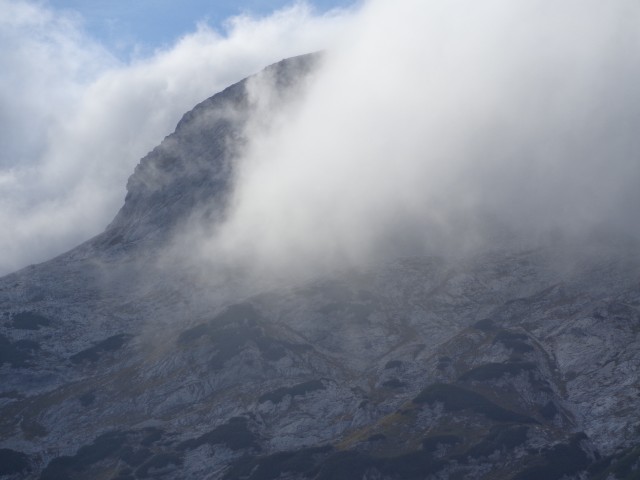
<point x="520" y="124"/>
<point x="415" y="256"/>
<point x="77" y="119"/>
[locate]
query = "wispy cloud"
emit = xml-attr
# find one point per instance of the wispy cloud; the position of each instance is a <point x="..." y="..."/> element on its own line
<point x="76" y="120"/>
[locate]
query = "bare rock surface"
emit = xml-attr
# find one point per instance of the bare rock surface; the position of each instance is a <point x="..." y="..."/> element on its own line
<point x="504" y="364"/>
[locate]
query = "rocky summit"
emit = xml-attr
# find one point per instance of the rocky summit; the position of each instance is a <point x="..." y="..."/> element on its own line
<point x="508" y="363"/>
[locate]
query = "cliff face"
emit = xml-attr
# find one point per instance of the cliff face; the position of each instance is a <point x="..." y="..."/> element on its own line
<point x="509" y="364"/>
<point x="191" y="171"/>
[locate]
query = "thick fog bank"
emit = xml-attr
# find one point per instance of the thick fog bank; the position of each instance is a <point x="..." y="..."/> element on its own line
<point x="444" y="127"/>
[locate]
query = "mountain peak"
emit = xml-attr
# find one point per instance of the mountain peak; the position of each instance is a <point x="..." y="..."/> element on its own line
<point x="191" y="171"/>
<point x="515" y="364"/>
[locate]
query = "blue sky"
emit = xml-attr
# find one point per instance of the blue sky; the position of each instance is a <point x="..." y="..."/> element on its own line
<point x="125" y="26"/>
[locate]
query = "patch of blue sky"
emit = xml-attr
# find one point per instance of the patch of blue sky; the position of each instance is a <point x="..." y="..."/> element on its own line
<point x="129" y="28"/>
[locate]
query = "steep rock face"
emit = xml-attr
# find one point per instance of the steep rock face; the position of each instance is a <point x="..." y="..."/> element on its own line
<point x="191" y="171"/>
<point x="498" y="365"/>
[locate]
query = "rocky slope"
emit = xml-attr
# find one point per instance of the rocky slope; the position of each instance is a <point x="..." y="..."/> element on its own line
<point x="507" y="364"/>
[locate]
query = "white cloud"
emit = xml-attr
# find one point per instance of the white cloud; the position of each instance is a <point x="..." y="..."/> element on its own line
<point x="429" y="123"/>
<point x="436" y="121"/>
<point x="75" y="120"/>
